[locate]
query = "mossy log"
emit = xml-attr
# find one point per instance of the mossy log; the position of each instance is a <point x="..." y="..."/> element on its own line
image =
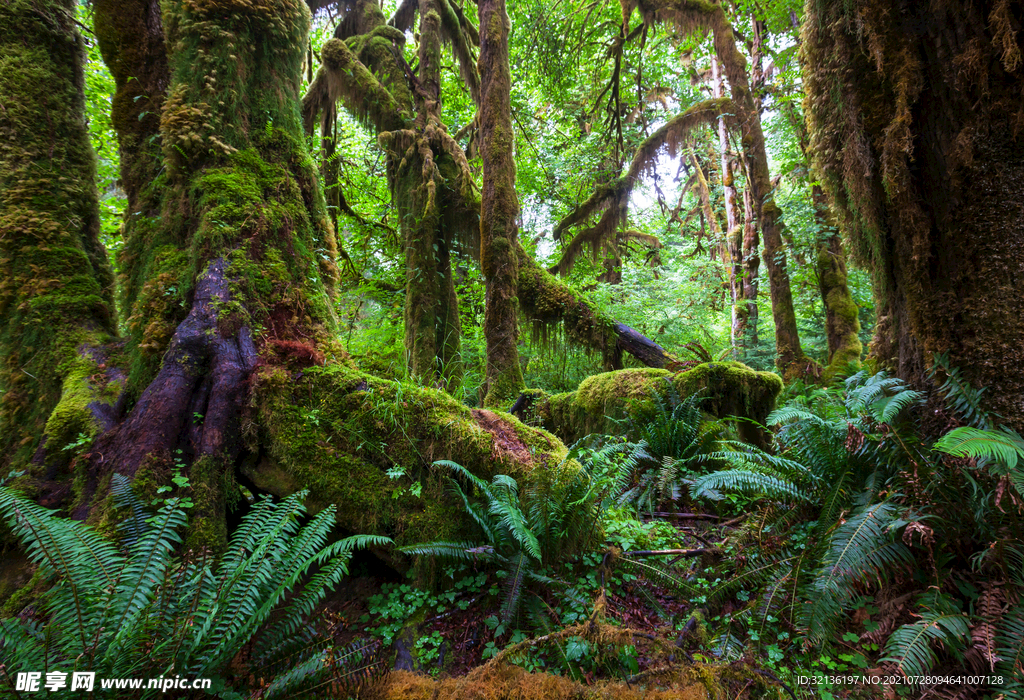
<point x="730" y="388"/>
<point x="337" y="431"/>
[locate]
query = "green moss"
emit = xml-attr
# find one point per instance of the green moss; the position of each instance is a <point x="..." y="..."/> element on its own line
<point x="336" y="432"/>
<point x="15" y="593"/>
<point x="55" y="284"/>
<point x="731" y="388"/>
<point x="210" y="480"/>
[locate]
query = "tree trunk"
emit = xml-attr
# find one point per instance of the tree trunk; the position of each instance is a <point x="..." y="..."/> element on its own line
<point x="915" y="117"/>
<point x="842" y="320"/>
<point x="499" y="209"/>
<point x="744" y="308"/>
<point x="369" y="80"/>
<point x="131" y="39"/>
<point x="687" y="16"/>
<point x="253" y="385"/>
<point x="56" y="295"/>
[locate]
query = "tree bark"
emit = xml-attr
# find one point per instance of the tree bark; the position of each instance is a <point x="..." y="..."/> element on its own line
<point x="738" y="284"/>
<point x="915" y="118"/>
<point x="842" y="317"/>
<point x="56" y="287"/>
<point x="499" y="209"/>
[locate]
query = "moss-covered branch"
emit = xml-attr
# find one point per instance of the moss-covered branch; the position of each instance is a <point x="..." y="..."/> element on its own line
<point x="613" y="197"/>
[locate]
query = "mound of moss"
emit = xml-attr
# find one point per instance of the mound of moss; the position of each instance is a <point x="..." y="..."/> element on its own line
<point x="367" y="445"/>
<point x="731" y="388"/>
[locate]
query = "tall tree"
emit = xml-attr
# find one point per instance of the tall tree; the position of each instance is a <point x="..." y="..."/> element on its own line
<point x="687" y="16"/>
<point x="56" y="294"/>
<point x="249" y="382"/>
<point x="499" y="209"/>
<point x="744" y="259"/>
<point x="915" y="115"/>
<point x="363" y="68"/>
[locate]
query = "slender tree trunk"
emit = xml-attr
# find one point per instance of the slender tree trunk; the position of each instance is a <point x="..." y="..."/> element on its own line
<point x="842" y="318"/>
<point x="56" y="287"/>
<point x="842" y="321"/>
<point x="131" y="39"/>
<point x="789" y="357"/>
<point x="689" y="15"/>
<point x="499" y="209"/>
<point x="741" y="311"/>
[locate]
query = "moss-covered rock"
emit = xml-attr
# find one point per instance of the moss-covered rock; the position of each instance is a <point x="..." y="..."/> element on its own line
<point x="731" y="388"/>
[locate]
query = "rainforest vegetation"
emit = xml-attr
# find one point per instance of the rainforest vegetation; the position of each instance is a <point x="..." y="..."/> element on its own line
<point x="512" y="348"/>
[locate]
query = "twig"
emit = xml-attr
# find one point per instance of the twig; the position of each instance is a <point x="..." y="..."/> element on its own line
<point x="715" y="551"/>
<point x="734" y="521"/>
<point x="688" y="516"/>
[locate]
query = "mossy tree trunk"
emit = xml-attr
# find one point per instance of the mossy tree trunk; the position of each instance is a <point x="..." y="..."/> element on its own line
<point x="131" y="39"/>
<point x="687" y="16"/>
<point x="743" y="259"/>
<point x="842" y="316"/>
<point x="915" y="116"/>
<point x="499" y="209"/>
<point x="250" y="383"/>
<point x="362" y="70"/>
<point x="56" y="287"/>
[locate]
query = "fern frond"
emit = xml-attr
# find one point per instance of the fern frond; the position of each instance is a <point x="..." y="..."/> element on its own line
<point x="469" y="552"/>
<point x="659" y="575"/>
<point x="910" y="647"/>
<point x="859" y="549"/>
<point x="517" y="574"/>
<point x="1002" y="445"/>
<point x="773" y="567"/>
<point x="1010" y="643"/>
<point x="134" y="525"/>
<point x="746" y="482"/>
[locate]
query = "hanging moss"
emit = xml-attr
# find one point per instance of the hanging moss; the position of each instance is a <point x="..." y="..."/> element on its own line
<point x="731" y="388"/>
<point x="915" y="115"/>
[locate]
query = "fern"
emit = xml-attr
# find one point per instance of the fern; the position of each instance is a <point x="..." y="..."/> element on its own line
<point x="960" y="395"/>
<point x="912" y="647"/>
<point x="1004" y="445"/>
<point x="1010" y="640"/>
<point x="144" y="612"/>
<point x="746" y="482"/>
<point x="858" y="550"/>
